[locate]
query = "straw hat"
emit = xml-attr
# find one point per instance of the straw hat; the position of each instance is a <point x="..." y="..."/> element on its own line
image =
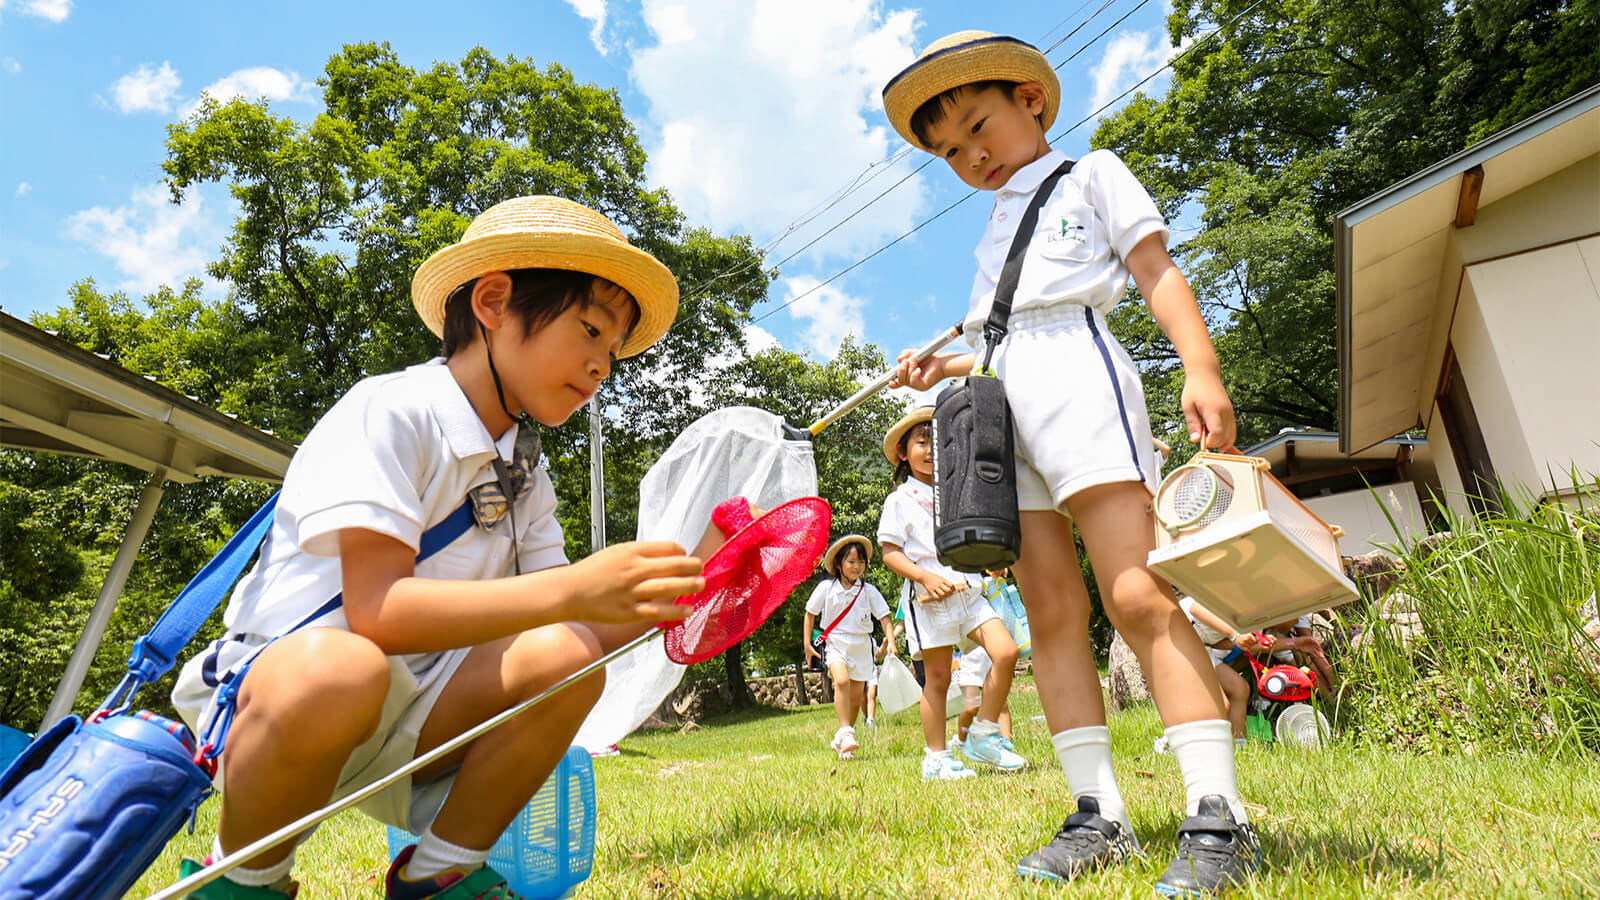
<point x="546" y="232"/>
<point x="838" y="548"/>
<point x="891" y="438"/>
<point x="962" y="58"/>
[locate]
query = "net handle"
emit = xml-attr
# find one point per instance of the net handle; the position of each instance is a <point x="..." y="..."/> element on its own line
<point x="1228" y="449"/>
<point x="882" y="381"/>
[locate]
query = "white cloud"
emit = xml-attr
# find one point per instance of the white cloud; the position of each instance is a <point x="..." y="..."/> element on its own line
<point x="151" y="241"/>
<point x="54" y="10"/>
<point x="10" y="64"/>
<point x="594" y="12"/>
<point x="759" y="340"/>
<point x="255" y="83"/>
<point x="1128" y="58"/>
<point x="24" y="189"/>
<point x="832" y="313"/>
<point x="146" y="89"/>
<point x="762" y="109"/>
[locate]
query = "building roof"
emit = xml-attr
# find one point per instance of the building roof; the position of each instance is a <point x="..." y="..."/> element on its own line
<point x="58" y="397"/>
<point x="1389" y="253"/>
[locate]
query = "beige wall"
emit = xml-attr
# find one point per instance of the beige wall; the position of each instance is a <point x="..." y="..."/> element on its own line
<point x="1361" y="515"/>
<point x="1525" y="325"/>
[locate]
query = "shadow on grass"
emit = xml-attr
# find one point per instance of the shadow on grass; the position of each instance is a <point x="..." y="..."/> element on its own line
<point x="1302" y="852"/>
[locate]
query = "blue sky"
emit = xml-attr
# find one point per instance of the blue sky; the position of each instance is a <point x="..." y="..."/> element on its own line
<point x="756" y="115"/>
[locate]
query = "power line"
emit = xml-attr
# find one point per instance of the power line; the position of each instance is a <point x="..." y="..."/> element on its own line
<point x="969" y="195"/>
<point x="870" y="175"/>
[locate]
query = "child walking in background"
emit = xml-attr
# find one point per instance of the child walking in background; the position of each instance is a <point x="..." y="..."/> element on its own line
<point x="943" y="608"/>
<point x="848" y="604"/>
<point x="534" y="305"/>
<point x="982" y="103"/>
<point x="970" y="672"/>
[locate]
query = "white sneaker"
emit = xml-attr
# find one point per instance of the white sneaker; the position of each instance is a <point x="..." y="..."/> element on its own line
<point x="844" y="742"/>
<point x="942" y="766"/>
<point x="987" y="746"/>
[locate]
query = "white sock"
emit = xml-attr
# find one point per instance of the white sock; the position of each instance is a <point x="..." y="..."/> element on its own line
<point x="1085" y="755"/>
<point x="267" y="877"/>
<point x="1204" y="751"/>
<point x="435" y="854"/>
<point x="981" y="729"/>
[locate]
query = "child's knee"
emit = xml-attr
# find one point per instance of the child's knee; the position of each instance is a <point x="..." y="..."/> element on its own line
<point x="543" y="657"/>
<point x="842" y="684"/>
<point x="336" y="676"/>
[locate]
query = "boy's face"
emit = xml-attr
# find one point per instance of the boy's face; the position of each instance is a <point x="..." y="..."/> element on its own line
<point x="558" y="367"/>
<point x="985" y="136"/>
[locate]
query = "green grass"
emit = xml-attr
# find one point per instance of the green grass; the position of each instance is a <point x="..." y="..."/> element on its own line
<point x="756" y="806"/>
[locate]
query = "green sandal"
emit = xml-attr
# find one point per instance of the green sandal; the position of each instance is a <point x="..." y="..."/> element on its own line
<point x="223" y="889"/>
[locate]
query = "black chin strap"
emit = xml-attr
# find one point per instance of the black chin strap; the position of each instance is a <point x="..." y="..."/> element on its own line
<point x="521" y="418"/>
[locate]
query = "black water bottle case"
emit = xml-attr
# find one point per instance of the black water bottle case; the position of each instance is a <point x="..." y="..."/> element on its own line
<point x="976" y="527"/>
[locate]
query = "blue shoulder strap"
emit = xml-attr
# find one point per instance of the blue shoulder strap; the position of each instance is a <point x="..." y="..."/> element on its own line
<point x="155" y="653"/>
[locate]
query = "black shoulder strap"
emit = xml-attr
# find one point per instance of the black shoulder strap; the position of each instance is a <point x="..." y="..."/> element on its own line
<point x="994" y="330"/>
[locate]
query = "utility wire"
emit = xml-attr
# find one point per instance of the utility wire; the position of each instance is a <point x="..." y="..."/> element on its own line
<point x="969" y="195"/>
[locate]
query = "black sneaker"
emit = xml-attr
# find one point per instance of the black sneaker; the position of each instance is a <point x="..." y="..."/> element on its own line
<point x="1214" y="852"/>
<point x="1085" y="842"/>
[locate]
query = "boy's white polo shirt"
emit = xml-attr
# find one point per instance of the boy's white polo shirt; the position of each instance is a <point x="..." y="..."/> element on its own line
<point x="830" y="598"/>
<point x="396" y="455"/>
<point x="1095" y="217"/>
<point x="907" y="521"/>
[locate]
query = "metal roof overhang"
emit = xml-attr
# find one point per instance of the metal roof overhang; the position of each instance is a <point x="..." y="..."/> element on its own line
<point x="60" y="398"/>
<point x="1389" y="253"/>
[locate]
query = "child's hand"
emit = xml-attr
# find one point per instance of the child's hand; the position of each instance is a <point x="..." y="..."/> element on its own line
<point x="636" y="582"/>
<point x="1206" y="405"/>
<point x="811" y="652"/>
<point x="936" y="587"/>
<point x="920" y="375"/>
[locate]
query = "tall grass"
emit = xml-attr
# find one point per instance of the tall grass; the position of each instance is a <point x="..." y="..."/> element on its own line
<point x="1501" y="663"/>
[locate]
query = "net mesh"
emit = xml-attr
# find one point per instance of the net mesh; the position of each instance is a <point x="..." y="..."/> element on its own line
<point x="749" y="577"/>
<point x="1191" y="489"/>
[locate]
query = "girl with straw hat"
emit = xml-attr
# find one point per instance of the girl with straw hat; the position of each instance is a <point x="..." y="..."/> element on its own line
<point x="847" y="603"/>
<point x="1061" y="242"/>
<point x="533" y="305"/>
<point x="944" y="609"/>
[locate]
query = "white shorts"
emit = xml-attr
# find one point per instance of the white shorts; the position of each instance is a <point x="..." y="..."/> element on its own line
<point x="1077" y="405"/>
<point x="948" y="622"/>
<point x="854" y="650"/>
<point x="1218" y="657"/>
<point x="413" y="690"/>
<point x="975" y="666"/>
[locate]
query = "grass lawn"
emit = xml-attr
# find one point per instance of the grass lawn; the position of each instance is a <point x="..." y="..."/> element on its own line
<point x="757" y="806"/>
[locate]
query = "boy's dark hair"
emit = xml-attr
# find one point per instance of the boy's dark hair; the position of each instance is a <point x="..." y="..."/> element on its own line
<point x="839" y="558"/>
<point x="902" y="471"/>
<point x="538" y="296"/>
<point x="932" y="112"/>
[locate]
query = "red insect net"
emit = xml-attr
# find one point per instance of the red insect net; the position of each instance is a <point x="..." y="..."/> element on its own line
<point x="750" y="575"/>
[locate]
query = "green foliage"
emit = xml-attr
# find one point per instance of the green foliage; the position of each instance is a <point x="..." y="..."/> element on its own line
<point x="1293" y="113"/>
<point x="1501" y="662"/>
<point x="334" y="217"/>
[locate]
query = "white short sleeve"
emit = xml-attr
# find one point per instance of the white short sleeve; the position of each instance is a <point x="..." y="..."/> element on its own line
<point x="375" y="483"/>
<point x="543" y="546"/>
<point x="1121" y="202"/>
<point x="893" y="523"/>
<point x="818" y="595"/>
<point x="879" y="607"/>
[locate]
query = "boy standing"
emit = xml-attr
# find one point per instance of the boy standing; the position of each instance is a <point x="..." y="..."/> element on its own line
<point x="982" y="102"/>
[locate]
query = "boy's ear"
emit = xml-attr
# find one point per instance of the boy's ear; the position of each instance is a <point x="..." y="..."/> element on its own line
<point x="491" y="296"/>
<point x="1031" y="95"/>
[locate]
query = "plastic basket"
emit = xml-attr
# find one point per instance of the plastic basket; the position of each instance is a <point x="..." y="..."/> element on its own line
<point x="12" y="743"/>
<point x="549" y="847"/>
<point x="1233" y="537"/>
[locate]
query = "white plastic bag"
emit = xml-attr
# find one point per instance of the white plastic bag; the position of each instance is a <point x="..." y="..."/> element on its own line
<point x="897" y="687"/>
<point x="739" y="451"/>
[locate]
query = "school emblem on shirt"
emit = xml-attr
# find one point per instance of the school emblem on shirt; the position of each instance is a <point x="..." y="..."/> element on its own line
<point x="1069" y="238"/>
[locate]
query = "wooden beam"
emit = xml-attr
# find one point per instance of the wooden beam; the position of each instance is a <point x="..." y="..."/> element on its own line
<point x="1467" y="204"/>
<point x="1289" y="463"/>
<point x="1366" y="465"/>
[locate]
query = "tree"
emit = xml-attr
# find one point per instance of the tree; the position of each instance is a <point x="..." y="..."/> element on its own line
<point x="1298" y="111"/>
<point x="335" y="216"/>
